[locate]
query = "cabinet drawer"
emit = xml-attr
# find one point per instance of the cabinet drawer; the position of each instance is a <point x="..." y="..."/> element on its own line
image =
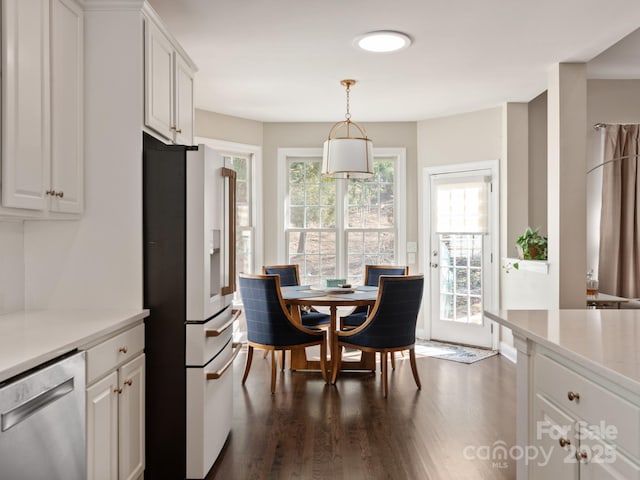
<point x="605" y="462"/>
<point x="205" y="340"/>
<point x="601" y="410"/>
<point x="114" y="352"/>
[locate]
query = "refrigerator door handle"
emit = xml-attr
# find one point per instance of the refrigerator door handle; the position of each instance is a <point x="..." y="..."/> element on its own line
<point x="210" y="332"/>
<point x="216" y="375"/>
<point x="231" y="287"/>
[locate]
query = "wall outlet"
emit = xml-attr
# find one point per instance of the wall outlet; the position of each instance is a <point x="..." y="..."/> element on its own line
<point x="412" y="247"/>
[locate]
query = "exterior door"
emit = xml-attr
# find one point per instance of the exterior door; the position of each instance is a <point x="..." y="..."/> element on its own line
<point x="460" y="256"/>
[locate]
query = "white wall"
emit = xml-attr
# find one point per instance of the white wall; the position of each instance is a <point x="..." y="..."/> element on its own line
<point x="11" y="266"/>
<point x="97" y="261"/>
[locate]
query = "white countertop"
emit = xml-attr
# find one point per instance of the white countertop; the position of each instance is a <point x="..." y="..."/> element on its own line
<point x="29" y="338"/>
<point x="607" y="341"/>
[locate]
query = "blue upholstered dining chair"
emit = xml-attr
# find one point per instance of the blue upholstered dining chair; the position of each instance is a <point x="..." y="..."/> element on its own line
<point x="270" y="326"/>
<point x="389" y="327"/>
<point x="289" y="277"/>
<point x="371" y="276"/>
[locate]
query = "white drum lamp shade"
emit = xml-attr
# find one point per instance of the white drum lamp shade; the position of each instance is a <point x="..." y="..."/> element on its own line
<point x="347" y="156"/>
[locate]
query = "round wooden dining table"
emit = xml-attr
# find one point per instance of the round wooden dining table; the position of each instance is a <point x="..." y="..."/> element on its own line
<point x="297" y="297"/>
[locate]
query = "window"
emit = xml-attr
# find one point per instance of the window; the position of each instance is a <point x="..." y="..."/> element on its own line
<point x="461" y="221"/>
<point x="333" y="228"/>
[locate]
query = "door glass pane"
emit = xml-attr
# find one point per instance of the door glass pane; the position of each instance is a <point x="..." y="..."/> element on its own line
<point x="460" y="269"/>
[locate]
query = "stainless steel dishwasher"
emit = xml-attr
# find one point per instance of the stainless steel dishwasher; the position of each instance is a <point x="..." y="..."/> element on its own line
<point x="42" y="422"/>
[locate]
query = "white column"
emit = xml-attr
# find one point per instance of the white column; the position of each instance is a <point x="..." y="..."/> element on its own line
<point x="566" y="208"/>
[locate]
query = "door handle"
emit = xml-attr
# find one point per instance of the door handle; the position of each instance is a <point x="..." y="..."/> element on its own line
<point x="32" y="405"/>
<point x="434" y="265"/>
<point x="216" y="375"/>
<point x="231" y="174"/>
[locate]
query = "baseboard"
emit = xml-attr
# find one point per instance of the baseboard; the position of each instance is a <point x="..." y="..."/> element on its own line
<point x="509" y="352"/>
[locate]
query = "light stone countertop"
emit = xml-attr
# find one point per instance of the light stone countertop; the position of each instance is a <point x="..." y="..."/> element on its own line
<point x="30" y="338"/>
<point x="606" y="341"/>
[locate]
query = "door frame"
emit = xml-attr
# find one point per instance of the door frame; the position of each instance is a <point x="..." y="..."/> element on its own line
<point x="491" y="300"/>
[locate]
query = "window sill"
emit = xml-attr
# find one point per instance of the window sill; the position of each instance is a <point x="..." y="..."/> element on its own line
<point x="537" y="266"/>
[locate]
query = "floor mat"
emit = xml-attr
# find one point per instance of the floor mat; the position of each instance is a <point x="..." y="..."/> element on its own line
<point x="448" y="351"/>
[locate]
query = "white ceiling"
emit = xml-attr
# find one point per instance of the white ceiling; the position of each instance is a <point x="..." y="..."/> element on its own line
<point x="282" y="60"/>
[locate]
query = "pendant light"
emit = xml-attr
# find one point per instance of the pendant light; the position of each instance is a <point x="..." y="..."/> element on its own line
<point x="350" y="155"/>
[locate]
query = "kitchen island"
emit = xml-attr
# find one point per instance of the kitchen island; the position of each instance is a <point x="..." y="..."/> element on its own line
<point x="578" y="392"/>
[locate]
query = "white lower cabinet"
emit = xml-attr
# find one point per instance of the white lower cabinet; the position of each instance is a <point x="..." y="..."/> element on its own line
<point x="115" y="407"/>
<point x="583" y="427"/>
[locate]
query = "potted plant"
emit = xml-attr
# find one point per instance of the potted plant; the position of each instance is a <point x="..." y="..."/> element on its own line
<point x="531" y="245"/>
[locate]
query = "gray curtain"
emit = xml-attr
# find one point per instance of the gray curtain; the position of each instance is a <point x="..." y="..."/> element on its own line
<point x="619" y="269"/>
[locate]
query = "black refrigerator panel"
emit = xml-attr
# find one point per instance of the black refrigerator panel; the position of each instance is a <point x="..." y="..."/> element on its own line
<point x="164" y="236"/>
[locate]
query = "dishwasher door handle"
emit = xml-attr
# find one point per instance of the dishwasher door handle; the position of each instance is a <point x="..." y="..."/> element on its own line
<point x="17" y="414"/>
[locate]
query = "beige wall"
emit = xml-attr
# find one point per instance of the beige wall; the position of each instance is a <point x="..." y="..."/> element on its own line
<point x="464" y="138"/>
<point x="309" y="135"/>
<point x="228" y="128"/>
<point x="538" y="162"/>
<point x="468" y="137"/>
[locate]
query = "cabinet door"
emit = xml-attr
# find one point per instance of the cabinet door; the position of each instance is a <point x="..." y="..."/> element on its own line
<point x="102" y="429"/>
<point x="131" y="419"/>
<point x="26" y="104"/>
<point x="158" y="111"/>
<point x="184" y="102"/>
<point x="554" y="443"/>
<point x="604" y="461"/>
<point x="66" y="110"/>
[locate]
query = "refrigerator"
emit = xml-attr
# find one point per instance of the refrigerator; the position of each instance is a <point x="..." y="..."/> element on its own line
<point x="189" y="281"/>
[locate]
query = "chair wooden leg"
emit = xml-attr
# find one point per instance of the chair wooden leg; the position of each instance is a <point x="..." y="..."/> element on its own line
<point x="393" y="360"/>
<point x="383" y="363"/>
<point x="273" y="371"/>
<point x="414" y="367"/>
<point x="247" y="365"/>
<point x="323" y="361"/>
<point x="266" y="352"/>
<point x="282" y="358"/>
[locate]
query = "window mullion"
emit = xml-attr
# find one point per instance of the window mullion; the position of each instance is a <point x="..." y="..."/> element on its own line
<point x="341" y="235"/>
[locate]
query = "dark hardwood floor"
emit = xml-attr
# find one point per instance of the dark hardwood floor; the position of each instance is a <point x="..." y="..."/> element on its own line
<point x="309" y="430"/>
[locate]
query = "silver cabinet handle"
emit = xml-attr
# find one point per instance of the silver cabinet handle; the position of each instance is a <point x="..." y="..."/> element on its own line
<point x="31" y="406"/>
<point x="216" y="375"/>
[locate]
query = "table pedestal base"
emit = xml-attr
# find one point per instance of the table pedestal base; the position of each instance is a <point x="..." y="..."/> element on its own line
<point x="299" y="362"/>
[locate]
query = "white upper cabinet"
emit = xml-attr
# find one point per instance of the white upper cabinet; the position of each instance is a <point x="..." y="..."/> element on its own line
<point x="66" y="107"/>
<point x="168" y="109"/>
<point x="183" y="102"/>
<point x="26" y="143"/>
<point x="42" y="104"/>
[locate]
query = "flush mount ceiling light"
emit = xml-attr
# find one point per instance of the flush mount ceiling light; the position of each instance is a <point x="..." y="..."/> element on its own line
<point x="347" y="156"/>
<point x="382" y="41"/>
